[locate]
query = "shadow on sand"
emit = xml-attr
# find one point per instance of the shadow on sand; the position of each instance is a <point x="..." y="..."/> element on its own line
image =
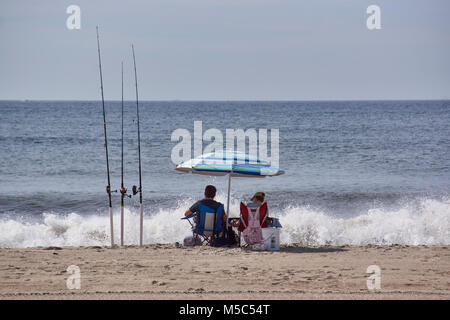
<point x="301" y="249"/>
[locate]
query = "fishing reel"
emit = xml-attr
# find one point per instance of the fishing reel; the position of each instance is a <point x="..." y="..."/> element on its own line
<point x="108" y="190"/>
<point x="123" y="191"/>
<point x="135" y="190"/>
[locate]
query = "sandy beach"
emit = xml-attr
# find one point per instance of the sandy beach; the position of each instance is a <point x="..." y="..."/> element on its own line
<point x="170" y="272"/>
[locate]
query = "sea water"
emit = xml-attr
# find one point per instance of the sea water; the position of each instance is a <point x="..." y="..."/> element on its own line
<point x="357" y="172"/>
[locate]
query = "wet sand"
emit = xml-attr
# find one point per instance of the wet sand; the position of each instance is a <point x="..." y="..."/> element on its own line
<point x="169" y="272"/>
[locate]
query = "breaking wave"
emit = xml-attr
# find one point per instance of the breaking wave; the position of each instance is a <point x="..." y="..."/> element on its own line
<point x="424" y="222"/>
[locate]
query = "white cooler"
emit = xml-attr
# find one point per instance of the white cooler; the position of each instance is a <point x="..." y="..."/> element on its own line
<point x="271" y="238"/>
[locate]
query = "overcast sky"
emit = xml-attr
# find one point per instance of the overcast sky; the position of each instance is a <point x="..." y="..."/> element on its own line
<point x="227" y="49"/>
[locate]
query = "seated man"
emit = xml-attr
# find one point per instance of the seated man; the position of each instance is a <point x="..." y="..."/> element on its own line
<point x="208" y="200"/>
<point x="207" y="203"/>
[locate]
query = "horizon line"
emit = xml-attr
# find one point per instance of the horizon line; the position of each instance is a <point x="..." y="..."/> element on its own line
<point x="223" y="100"/>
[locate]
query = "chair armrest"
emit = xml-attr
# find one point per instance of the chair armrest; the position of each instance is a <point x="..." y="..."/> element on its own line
<point x="190" y="216"/>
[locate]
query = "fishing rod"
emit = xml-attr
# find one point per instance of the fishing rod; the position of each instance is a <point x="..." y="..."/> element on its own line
<point x="123" y="191"/>
<point x="141" y="226"/>
<point x="108" y="187"/>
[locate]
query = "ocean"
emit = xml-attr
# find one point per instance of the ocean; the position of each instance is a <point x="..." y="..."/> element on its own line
<point x="357" y="172"/>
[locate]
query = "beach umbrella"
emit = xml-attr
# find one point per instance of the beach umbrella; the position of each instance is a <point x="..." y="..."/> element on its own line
<point x="231" y="163"/>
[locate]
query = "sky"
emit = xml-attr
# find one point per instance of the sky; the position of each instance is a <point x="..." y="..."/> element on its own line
<point x="226" y="50"/>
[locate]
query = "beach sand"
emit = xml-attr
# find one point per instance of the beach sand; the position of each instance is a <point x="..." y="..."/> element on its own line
<point x="170" y="272"/>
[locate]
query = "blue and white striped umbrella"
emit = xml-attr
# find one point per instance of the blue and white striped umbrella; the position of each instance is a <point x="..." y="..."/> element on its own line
<point x="231" y="163"/>
<point x="234" y="163"/>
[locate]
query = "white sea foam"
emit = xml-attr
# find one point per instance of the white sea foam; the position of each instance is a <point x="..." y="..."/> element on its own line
<point x="426" y="223"/>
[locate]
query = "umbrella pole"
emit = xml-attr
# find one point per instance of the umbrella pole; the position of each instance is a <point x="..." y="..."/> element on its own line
<point x="228" y="205"/>
<point x="228" y="200"/>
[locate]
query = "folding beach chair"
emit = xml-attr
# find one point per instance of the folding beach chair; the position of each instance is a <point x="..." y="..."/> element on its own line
<point x="209" y="224"/>
<point x="251" y="222"/>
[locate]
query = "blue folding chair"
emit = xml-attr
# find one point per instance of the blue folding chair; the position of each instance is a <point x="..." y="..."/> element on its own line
<point x="209" y="223"/>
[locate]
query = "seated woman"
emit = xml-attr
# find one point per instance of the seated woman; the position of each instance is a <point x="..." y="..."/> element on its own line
<point x="253" y="217"/>
<point x="256" y="201"/>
